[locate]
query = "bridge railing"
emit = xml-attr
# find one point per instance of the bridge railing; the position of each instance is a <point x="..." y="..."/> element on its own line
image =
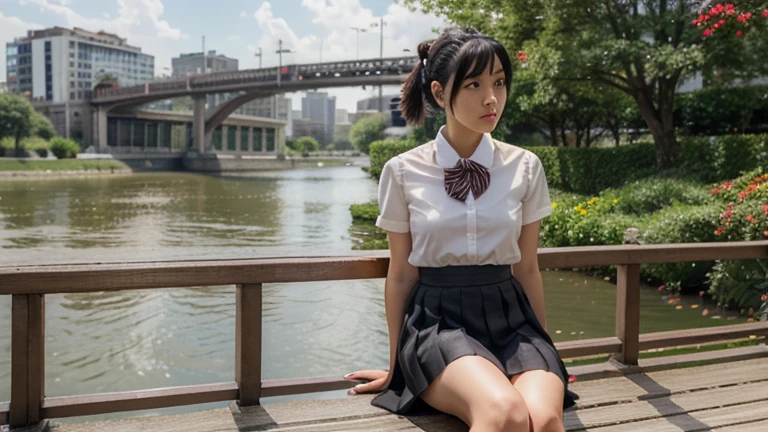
<point x="28" y="286"/>
<point x="395" y="65"/>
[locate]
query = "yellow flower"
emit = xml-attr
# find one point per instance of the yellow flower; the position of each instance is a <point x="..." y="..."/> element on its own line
<point x="615" y="201"/>
<point x="583" y="212"/>
<point x="593" y="200"/>
<point x="554" y="205"/>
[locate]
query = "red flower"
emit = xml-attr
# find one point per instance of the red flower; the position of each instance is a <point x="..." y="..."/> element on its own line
<point x="707" y="33"/>
<point x="715" y="191"/>
<point x="744" y="17"/>
<point x="719" y="231"/>
<point x="743" y="195"/>
<point x="764" y="297"/>
<point x="765" y="13"/>
<point x="521" y="56"/>
<point x="701" y="293"/>
<point x="765" y="209"/>
<point x="728" y="184"/>
<point x="721" y="22"/>
<point x="750" y="218"/>
<point x="661" y="288"/>
<point x="739" y="33"/>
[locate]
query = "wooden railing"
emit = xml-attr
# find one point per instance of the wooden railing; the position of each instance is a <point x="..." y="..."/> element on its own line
<point x="28" y="286"/>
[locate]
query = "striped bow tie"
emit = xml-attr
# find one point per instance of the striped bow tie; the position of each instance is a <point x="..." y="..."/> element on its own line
<point x="465" y="176"/>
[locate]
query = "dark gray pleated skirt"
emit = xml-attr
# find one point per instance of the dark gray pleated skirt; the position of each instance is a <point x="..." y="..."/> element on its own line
<point x="466" y="310"/>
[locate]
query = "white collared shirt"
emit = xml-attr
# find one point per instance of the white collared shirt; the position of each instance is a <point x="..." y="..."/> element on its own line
<point x="448" y="232"/>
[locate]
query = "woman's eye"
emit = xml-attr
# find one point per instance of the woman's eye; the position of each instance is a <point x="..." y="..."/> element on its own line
<point x="500" y="82"/>
<point x="473" y="85"/>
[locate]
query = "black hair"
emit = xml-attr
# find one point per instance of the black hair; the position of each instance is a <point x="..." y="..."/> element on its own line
<point x="460" y="52"/>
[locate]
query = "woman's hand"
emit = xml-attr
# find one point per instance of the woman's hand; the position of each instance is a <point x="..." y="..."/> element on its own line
<point x="378" y="380"/>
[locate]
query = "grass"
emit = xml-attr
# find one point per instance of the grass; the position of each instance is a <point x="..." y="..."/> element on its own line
<point x="8" y="164"/>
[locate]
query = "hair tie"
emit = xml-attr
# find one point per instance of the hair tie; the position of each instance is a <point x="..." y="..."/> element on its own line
<point x="423" y="75"/>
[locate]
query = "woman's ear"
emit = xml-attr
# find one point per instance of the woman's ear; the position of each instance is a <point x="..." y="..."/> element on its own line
<point x="437" y="93"/>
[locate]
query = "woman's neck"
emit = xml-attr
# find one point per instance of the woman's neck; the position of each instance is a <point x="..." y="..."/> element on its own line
<point x="463" y="140"/>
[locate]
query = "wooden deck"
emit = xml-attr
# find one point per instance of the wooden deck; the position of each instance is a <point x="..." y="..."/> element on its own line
<point x="725" y="397"/>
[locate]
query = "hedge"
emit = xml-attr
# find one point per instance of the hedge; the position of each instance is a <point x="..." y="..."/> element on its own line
<point x="593" y="169"/>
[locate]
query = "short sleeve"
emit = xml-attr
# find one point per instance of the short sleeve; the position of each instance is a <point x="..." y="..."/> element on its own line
<point x="536" y="202"/>
<point x="393" y="209"/>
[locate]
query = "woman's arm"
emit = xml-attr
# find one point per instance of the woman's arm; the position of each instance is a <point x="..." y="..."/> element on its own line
<point x="527" y="270"/>
<point x="401" y="277"/>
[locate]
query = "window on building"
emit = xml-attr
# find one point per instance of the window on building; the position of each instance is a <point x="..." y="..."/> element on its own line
<point x="257" y="132"/>
<point x="270" y="140"/>
<point x="232" y="138"/>
<point x="244" y="138"/>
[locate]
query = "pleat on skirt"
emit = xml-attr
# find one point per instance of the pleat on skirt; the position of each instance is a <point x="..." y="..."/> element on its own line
<point x="466" y="310"/>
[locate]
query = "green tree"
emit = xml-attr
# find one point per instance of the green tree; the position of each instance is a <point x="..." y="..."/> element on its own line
<point x="307" y="144"/>
<point x="15" y="119"/>
<point x="366" y="131"/>
<point x="42" y="127"/>
<point x="642" y="48"/>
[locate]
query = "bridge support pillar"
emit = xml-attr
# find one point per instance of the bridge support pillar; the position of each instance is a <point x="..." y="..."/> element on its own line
<point x="198" y="124"/>
<point x="101" y="128"/>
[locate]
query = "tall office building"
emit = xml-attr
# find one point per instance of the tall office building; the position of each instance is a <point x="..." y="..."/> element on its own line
<point x="319" y="107"/>
<point x="59" y="64"/>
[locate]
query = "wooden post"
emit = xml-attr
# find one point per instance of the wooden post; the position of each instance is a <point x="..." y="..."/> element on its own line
<point x="628" y="312"/>
<point x="27" y="359"/>
<point x="248" y="343"/>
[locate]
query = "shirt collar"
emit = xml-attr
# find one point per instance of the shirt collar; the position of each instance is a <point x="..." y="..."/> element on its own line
<point x="447" y="156"/>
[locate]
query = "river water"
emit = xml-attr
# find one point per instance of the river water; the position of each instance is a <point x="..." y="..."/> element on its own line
<point x="130" y="340"/>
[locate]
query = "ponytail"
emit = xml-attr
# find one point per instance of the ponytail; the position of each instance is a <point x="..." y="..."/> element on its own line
<point x="416" y="88"/>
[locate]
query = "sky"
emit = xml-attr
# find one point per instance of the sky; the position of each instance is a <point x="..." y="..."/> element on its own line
<point x="314" y="29"/>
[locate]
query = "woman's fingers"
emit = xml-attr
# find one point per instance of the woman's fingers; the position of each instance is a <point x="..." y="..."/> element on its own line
<point x="365" y="375"/>
<point x="372" y="386"/>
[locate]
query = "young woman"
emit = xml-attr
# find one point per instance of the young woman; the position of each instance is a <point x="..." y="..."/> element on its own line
<point x="463" y="295"/>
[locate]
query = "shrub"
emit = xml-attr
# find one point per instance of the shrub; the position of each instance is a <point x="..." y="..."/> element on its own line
<point x="681" y="224"/>
<point x="382" y="151"/>
<point x="652" y="194"/>
<point x="367" y="131"/>
<point x="42" y="127"/>
<point x="63" y="148"/>
<point x="366" y="212"/>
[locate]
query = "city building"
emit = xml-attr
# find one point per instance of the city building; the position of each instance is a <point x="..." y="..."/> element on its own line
<point x="319" y="107"/>
<point x="372" y="103"/>
<point x="312" y="128"/>
<point x="342" y="116"/>
<point x="276" y="107"/>
<point x="192" y="63"/>
<point x="61" y="65"/>
<point x="3" y="87"/>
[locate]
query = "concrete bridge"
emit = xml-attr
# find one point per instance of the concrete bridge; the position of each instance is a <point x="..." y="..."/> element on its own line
<point x="248" y="85"/>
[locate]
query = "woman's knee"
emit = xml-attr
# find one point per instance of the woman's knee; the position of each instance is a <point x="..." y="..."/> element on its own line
<point x="546" y="419"/>
<point x="502" y="412"/>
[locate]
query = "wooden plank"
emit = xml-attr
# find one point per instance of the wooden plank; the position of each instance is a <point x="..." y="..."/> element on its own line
<point x="657" y="407"/>
<point x="588" y="347"/>
<point x="19" y="362"/>
<point x="704" y="335"/>
<point x="745" y="414"/>
<point x="628" y="389"/>
<point x="628" y="313"/>
<point x="285" y="387"/>
<point x="79" y="278"/>
<point x="218" y="420"/>
<point x="36" y="358"/>
<point x="102" y="403"/>
<point x="248" y="317"/>
<point x="756" y="426"/>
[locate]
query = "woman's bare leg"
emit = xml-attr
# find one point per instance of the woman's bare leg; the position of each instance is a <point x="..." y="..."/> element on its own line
<point x="543" y="393"/>
<point x="476" y="391"/>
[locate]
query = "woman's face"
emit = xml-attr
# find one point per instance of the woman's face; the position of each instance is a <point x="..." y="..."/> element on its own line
<point x="479" y="101"/>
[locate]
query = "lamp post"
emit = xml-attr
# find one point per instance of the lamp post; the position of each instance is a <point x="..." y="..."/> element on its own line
<point x="358" y="30"/>
<point x="258" y="54"/>
<point x="381" y="25"/>
<point x="280" y="52"/>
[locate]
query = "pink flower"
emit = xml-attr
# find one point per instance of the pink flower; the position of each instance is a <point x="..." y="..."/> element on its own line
<point x="765" y="13"/>
<point x="719" y="231"/>
<point x="707" y="33"/>
<point x="661" y="288"/>
<point x="739" y="33"/>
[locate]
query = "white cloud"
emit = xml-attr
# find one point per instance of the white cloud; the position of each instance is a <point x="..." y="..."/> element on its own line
<point x="234" y="37"/>
<point x="403" y="30"/>
<point x="11" y="28"/>
<point x="139" y="21"/>
<point x="243" y="14"/>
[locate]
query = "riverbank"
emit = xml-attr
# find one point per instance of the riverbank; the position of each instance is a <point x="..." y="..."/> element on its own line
<point x="26" y="168"/>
